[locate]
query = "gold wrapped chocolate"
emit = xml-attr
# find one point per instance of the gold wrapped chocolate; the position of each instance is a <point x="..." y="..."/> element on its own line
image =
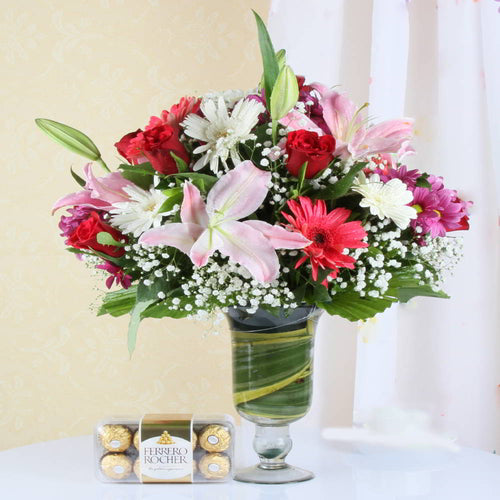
<point x="136" y="439"/>
<point x="137" y="467"/>
<point x="214" y="465"/>
<point x="165" y="438"/>
<point x="195" y="466"/>
<point x="115" y="437"/>
<point x="116" y="465"/>
<point x="194" y="439"/>
<point x="214" y="438"/>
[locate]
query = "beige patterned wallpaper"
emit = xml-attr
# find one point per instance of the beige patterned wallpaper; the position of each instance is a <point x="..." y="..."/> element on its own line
<point x="103" y="66"/>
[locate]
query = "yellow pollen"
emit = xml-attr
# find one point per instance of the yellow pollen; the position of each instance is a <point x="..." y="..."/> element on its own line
<point x="438" y="212"/>
<point x="418" y="208"/>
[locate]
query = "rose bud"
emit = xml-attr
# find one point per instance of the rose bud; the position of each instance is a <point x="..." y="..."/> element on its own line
<point x="305" y="146"/>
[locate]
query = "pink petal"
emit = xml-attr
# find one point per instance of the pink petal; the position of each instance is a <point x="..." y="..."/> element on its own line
<point x="82" y="198"/>
<point x="387" y="137"/>
<point x="322" y="89"/>
<point x="250" y="248"/>
<point x="193" y="207"/>
<point x="298" y="121"/>
<point x="108" y="188"/>
<point x="205" y="246"/>
<point x="338" y="111"/>
<point x="278" y="236"/>
<point x="238" y="193"/>
<point x="177" y="235"/>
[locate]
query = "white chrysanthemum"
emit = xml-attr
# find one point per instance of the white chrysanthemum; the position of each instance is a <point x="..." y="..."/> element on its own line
<point x="222" y="132"/>
<point x="139" y="214"/>
<point x="231" y="97"/>
<point x="388" y="199"/>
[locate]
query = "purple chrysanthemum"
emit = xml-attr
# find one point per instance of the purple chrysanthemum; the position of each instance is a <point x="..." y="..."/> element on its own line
<point x="409" y="177"/>
<point x="68" y="224"/>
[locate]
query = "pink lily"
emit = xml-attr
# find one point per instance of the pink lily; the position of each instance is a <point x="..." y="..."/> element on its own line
<point x="215" y="225"/>
<point x="99" y="192"/>
<point x="354" y="138"/>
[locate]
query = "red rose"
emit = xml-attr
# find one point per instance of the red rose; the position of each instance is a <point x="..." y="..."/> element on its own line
<point x="85" y="236"/>
<point x="123" y="145"/>
<point x="302" y="146"/>
<point x="156" y="144"/>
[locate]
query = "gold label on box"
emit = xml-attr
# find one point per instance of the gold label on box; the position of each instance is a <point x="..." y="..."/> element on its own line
<point x="166" y="451"/>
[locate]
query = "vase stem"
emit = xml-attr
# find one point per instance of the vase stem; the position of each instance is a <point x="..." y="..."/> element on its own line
<point x="272" y="443"/>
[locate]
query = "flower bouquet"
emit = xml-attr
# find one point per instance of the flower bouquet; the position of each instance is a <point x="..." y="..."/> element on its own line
<point x="268" y="205"/>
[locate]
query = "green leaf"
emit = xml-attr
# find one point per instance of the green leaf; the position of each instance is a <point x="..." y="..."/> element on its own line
<point x="141" y="175"/>
<point x="405" y="294"/>
<point x="302" y="176"/>
<point x="423" y="182"/>
<point x="119" y="302"/>
<point x="404" y="287"/>
<point x="269" y="59"/>
<point x="321" y="294"/>
<point x="70" y="138"/>
<point x="181" y="164"/>
<point x="174" y="197"/>
<point x="202" y="181"/>
<point x="351" y="306"/>
<point x="162" y="311"/>
<point x="341" y="187"/>
<point x="104" y="238"/>
<point x="285" y="93"/>
<point x="77" y="178"/>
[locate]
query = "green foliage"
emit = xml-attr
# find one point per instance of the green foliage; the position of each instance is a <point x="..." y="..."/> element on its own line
<point x="342" y="186"/>
<point x="104" y="238"/>
<point x="180" y="163"/>
<point x="141" y="175"/>
<point x="174" y="197"/>
<point x="119" y="302"/>
<point x="351" y="306"/>
<point x="269" y="59"/>
<point x="77" y="178"/>
<point x="423" y="182"/>
<point x="203" y="182"/>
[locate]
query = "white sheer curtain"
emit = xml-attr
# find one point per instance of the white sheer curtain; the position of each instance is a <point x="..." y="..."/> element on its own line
<point x="437" y="61"/>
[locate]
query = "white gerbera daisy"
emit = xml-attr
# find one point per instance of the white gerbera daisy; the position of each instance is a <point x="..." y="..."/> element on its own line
<point x="388" y="199"/>
<point x="222" y="132"/>
<point x="139" y="214"/>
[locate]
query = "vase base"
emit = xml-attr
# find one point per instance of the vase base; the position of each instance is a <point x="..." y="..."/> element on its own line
<point x="259" y="475"/>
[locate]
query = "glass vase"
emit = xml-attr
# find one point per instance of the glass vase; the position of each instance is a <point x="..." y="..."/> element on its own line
<point x="272" y="384"/>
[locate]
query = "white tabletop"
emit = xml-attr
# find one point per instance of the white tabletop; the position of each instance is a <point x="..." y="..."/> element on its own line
<point x="63" y="469"/>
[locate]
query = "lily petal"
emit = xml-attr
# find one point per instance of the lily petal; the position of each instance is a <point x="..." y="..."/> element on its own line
<point x="278" y="236"/>
<point x="109" y="188"/>
<point x="238" y="193"/>
<point x="386" y="137"/>
<point x="81" y="198"/>
<point x="205" y="246"/>
<point x="299" y="121"/>
<point x="193" y="209"/>
<point x="177" y="235"/>
<point x="338" y="111"/>
<point x="250" y="248"/>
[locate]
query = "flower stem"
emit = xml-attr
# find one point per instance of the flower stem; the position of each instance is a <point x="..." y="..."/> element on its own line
<point x="103" y="164"/>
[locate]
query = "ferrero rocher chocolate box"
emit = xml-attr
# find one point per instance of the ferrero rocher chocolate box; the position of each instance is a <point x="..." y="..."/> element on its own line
<point x="165" y="448"/>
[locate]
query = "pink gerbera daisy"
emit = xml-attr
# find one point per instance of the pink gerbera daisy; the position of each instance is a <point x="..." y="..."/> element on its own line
<point x="329" y="233"/>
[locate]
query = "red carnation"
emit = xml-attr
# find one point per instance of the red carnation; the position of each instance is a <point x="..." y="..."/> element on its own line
<point x="329" y="232"/>
<point x="306" y="146"/>
<point x="85" y="236"/>
<point x="154" y="145"/>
